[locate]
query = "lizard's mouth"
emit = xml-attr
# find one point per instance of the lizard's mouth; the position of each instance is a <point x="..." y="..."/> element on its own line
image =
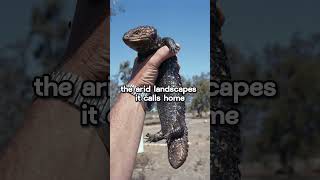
<point x="140" y="37"/>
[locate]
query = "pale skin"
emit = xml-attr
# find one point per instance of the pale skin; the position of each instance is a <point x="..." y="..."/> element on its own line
<point x="51" y="144"/>
<point x="127" y="116"/>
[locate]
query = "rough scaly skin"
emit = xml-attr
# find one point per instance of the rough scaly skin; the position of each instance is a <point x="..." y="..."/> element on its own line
<point x="225" y="145"/>
<point x="145" y="40"/>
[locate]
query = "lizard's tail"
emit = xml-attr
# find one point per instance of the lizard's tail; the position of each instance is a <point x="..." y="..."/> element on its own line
<point x="178" y="151"/>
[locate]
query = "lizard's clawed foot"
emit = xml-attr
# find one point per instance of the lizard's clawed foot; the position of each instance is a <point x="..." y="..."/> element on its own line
<point x="154" y="137"/>
<point x="149" y="137"/>
<point x="175" y="48"/>
<point x="170" y="43"/>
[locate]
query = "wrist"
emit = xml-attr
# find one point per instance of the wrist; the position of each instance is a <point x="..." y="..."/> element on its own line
<point x="94" y="67"/>
<point x="138" y="96"/>
<point x="77" y="99"/>
<point x="130" y="100"/>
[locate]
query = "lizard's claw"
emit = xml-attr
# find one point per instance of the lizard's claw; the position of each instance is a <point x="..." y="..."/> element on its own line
<point x="154" y="137"/>
<point x="148" y="137"/>
<point x="175" y="48"/>
<point x="171" y="44"/>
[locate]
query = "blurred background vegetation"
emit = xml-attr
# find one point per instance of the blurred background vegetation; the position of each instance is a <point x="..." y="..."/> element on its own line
<point x="283" y="132"/>
<point x="21" y="59"/>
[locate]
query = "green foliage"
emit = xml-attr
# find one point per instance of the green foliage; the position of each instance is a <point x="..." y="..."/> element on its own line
<point x="20" y="60"/>
<point x="125" y="71"/>
<point x="49" y="32"/>
<point x="200" y="100"/>
<point x="296" y="111"/>
<point x="123" y="76"/>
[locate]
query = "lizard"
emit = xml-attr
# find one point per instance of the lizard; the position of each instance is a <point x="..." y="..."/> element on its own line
<point x="145" y="40"/>
<point x="225" y="142"/>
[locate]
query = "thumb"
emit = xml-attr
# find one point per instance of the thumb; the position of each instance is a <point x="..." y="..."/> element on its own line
<point x="161" y="55"/>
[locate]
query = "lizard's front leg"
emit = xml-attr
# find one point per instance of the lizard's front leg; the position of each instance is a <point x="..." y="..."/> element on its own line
<point x="171" y="44"/>
<point x="154" y="137"/>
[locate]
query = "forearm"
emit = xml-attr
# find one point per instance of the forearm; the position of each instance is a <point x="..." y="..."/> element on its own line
<point x="88" y="16"/>
<point x="53" y="145"/>
<point x="126" y="123"/>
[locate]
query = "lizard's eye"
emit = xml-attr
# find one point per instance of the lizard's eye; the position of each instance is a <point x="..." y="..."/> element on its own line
<point x="137" y="32"/>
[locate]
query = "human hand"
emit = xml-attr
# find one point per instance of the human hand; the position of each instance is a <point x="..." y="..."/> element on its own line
<point x="146" y="72"/>
<point x="88" y="53"/>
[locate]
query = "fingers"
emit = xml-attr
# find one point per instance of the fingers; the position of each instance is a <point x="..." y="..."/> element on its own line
<point x="145" y="72"/>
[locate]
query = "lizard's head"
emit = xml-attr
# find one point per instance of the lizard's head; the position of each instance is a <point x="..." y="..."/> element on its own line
<point x="140" y="38"/>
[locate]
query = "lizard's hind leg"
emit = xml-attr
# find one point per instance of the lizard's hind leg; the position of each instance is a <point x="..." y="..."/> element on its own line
<point x="173" y="134"/>
<point x="176" y="133"/>
<point x="155" y="137"/>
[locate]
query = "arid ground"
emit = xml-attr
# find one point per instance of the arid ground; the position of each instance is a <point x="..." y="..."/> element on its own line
<point x="153" y="163"/>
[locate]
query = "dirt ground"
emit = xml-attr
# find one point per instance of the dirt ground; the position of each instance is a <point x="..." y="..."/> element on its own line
<point x="153" y="163"/>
